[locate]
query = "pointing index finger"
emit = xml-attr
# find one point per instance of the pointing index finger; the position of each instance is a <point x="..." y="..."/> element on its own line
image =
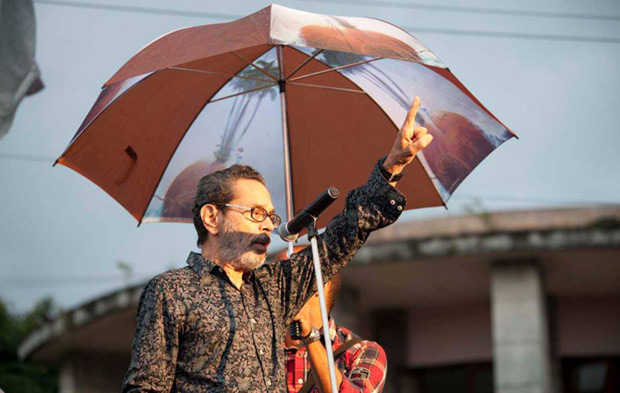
<point x="410" y="120"/>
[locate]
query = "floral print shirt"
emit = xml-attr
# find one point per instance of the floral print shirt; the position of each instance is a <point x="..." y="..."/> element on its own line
<point x="196" y="332"/>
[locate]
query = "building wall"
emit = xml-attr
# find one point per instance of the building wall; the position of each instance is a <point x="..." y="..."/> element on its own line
<point x="449" y="335"/>
<point x="588" y="327"/>
<point x="93" y="372"/>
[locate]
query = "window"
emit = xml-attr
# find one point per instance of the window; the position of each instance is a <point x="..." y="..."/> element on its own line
<point x="591" y="375"/>
<point x="466" y="378"/>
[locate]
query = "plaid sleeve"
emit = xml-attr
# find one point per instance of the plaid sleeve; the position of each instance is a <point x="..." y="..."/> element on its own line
<point x="368" y="370"/>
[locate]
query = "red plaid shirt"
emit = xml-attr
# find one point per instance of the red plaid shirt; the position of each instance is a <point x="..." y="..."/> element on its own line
<point x="363" y="366"/>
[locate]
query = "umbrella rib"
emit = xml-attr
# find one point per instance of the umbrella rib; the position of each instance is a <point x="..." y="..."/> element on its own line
<point x="243" y="92"/>
<point x="337" y="68"/>
<point x="304" y="63"/>
<point x="254" y="65"/>
<point x="328" y="88"/>
<point x="154" y="190"/>
<point x="219" y="74"/>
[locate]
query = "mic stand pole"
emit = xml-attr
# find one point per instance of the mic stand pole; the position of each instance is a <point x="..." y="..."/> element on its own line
<point x="312" y="235"/>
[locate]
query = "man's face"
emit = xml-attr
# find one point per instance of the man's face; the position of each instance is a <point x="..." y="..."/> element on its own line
<point x="242" y="241"/>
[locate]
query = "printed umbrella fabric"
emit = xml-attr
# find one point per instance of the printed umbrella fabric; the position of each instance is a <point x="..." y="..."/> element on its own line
<point x="320" y="95"/>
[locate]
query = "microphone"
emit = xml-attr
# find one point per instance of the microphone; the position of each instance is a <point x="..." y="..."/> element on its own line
<point x="290" y="231"/>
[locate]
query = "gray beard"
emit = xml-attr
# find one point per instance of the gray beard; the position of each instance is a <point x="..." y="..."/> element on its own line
<point x="234" y="250"/>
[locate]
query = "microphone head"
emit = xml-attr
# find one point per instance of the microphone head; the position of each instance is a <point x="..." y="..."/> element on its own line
<point x="286" y="235"/>
<point x="333" y="192"/>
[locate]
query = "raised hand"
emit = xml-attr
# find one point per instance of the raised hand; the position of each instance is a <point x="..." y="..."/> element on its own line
<point x="409" y="142"/>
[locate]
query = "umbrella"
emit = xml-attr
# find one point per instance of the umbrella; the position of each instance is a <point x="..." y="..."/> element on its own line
<point x="309" y="100"/>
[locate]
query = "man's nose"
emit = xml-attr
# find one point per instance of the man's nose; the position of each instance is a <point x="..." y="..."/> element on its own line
<point x="267" y="225"/>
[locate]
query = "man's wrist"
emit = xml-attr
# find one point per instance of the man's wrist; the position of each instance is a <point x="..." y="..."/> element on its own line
<point x="392" y="165"/>
<point x="390" y="171"/>
<point x="313" y="336"/>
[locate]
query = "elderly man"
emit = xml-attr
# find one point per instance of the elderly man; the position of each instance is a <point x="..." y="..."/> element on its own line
<point x="218" y="325"/>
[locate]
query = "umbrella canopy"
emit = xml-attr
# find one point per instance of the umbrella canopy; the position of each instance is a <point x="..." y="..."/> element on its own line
<point x="309" y="100"/>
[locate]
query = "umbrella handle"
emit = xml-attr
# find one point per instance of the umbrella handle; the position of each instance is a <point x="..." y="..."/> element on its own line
<point x="133" y="157"/>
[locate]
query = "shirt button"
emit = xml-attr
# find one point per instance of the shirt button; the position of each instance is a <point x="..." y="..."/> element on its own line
<point x="300" y="381"/>
<point x="400" y="208"/>
<point x="392" y="202"/>
<point x="261" y="351"/>
<point x="253" y="320"/>
<point x="268" y="383"/>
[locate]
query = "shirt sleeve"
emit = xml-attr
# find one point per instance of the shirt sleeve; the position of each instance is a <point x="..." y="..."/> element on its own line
<point x="368" y="370"/>
<point x="156" y="342"/>
<point x="374" y="205"/>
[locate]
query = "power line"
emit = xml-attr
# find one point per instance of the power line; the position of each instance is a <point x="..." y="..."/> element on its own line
<point x="32" y="282"/>
<point x="135" y="9"/>
<point x="472" y="10"/>
<point x="530" y="199"/>
<point x="460" y="32"/>
<point x="527" y="36"/>
<point x="26" y="157"/>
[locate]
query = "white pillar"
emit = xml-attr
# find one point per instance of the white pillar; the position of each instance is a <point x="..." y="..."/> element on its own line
<point x="521" y="355"/>
<point x="66" y="379"/>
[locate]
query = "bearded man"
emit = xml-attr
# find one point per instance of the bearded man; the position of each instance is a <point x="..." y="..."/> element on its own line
<point x="218" y="324"/>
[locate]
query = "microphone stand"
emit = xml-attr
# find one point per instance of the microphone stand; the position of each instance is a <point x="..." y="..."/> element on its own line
<point x="312" y="236"/>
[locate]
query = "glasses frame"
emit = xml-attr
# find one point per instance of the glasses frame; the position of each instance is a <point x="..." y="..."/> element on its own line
<point x="272" y="216"/>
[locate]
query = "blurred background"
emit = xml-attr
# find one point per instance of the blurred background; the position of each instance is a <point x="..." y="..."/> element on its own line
<point x="516" y="287"/>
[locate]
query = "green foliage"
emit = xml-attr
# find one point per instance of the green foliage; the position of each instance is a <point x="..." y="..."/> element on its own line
<point x="477" y="208"/>
<point x="25" y="377"/>
<point x="17" y="376"/>
<point x="126" y="268"/>
<point x="606" y="223"/>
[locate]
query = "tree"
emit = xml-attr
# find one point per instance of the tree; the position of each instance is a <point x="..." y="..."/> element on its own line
<point x="17" y="376"/>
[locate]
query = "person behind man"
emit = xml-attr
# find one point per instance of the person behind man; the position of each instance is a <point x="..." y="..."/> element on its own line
<point x="218" y="324"/>
<point x="361" y="365"/>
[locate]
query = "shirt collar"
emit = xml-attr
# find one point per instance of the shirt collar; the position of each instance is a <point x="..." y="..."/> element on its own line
<point x="333" y="328"/>
<point x="202" y="266"/>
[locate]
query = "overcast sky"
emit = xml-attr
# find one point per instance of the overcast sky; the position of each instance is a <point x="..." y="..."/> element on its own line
<point x="548" y="70"/>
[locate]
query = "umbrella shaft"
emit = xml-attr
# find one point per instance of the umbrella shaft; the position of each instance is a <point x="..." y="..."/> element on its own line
<point x="288" y="186"/>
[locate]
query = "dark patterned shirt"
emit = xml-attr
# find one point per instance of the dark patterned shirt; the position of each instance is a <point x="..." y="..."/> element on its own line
<point x="197" y="332"/>
<point x="363" y="365"/>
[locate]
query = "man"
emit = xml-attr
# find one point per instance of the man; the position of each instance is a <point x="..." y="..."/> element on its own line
<point x="361" y="365"/>
<point x="219" y="324"/>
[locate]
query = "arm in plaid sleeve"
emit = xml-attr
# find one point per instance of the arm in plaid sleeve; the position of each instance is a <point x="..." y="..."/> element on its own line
<point x="367" y="371"/>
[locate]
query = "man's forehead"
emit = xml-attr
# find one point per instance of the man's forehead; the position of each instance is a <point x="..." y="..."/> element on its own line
<point x="252" y="193"/>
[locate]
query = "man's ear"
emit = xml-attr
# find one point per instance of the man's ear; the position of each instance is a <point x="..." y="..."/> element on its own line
<point x="209" y="216"/>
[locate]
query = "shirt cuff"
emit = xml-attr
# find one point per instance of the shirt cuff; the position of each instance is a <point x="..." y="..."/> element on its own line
<point x="347" y="387"/>
<point x="388" y="198"/>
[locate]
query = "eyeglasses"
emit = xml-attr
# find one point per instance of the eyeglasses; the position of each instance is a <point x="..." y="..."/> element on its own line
<point x="257" y="214"/>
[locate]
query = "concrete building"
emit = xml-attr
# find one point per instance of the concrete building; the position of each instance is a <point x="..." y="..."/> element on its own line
<point x="525" y="301"/>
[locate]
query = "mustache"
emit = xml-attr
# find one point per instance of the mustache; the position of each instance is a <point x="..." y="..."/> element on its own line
<point x="234" y="245"/>
<point x="262" y="238"/>
<point x="250" y="237"/>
